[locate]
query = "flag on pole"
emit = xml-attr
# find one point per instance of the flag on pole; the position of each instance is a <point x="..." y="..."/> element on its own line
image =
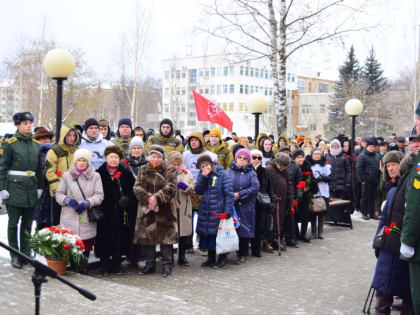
<point x="208" y="111"/>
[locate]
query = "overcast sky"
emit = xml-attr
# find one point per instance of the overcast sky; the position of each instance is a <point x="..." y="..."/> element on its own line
<point x="96" y="27"/>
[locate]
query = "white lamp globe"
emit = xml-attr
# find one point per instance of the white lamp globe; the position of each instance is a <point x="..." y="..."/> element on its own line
<point x="353" y="107"/>
<point x="59" y="63"/>
<point x="257" y="103"/>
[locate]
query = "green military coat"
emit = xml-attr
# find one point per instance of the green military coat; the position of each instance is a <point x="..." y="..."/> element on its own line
<point x="21" y="153"/>
<point x="411" y="226"/>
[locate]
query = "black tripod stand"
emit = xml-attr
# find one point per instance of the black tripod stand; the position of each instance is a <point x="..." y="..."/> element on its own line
<point x="40" y="274"/>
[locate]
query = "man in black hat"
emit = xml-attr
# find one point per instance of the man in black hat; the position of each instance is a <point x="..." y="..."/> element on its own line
<point x="410" y="237"/>
<point x="166" y="138"/>
<point x="401" y="144"/>
<point x="124" y="134"/>
<point x="20" y="182"/>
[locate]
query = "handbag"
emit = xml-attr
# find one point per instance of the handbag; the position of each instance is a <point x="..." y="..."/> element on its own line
<point x="263" y="200"/>
<point x="318" y="204"/>
<point x="379" y="241"/>
<point x="94" y="213"/>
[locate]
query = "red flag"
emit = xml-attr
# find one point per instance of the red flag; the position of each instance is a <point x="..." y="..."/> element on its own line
<point x="208" y="111"/>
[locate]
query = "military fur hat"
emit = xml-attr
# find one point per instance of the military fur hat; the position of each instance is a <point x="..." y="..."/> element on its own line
<point x="391" y="156"/>
<point x="114" y="149"/>
<point x="19" y="117"/>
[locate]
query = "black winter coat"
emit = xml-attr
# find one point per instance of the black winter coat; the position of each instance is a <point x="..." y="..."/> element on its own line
<point x="303" y="213"/>
<point x="108" y="238"/>
<point x="261" y="212"/>
<point x="295" y="174"/>
<point x="340" y="172"/>
<point x="368" y="167"/>
<point x="134" y="164"/>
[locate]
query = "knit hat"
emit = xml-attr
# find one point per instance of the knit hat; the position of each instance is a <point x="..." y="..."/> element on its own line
<point x="244" y="152"/>
<point x="125" y="121"/>
<point x="371" y="141"/>
<point x="296" y="153"/>
<point x="215" y="131"/>
<point x="204" y="158"/>
<point x="43" y="133"/>
<point x="313" y="151"/>
<point x="335" y="141"/>
<point x="282" y="159"/>
<point x="114" y="149"/>
<point x="284" y="147"/>
<point x="166" y="121"/>
<point x="136" y="141"/>
<point x="91" y="122"/>
<point x="157" y="149"/>
<point x="256" y="152"/>
<point x="82" y="153"/>
<point x="393" y="156"/>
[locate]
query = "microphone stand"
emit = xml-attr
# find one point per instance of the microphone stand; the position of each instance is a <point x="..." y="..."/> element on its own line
<point x="40" y="274"/>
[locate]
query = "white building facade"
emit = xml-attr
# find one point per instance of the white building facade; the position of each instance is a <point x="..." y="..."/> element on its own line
<point x="9" y="100"/>
<point x="224" y="80"/>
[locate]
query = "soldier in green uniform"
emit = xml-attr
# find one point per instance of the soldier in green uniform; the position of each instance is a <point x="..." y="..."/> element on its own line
<point x="410" y="238"/>
<point x="20" y="180"/>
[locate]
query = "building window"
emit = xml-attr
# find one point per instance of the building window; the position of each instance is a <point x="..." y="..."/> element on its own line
<point x="232" y="88"/>
<point x="271" y="74"/>
<point x="257" y="72"/>
<point x="301" y="86"/>
<point x="178" y="74"/>
<point x="246" y="89"/>
<point x="200" y="72"/>
<point x="184" y="74"/>
<point x="251" y="89"/>
<point x="293" y="78"/>
<point x="307" y="109"/>
<point x="183" y="91"/>
<point x="191" y="123"/>
<point x="251" y="72"/>
<point x="219" y="89"/>
<point x="219" y="71"/>
<point x="232" y="70"/>
<point x="225" y="88"/>
<point x="211" y="89"/>
<point x="241" y="70"/>
<point x="206" y="90"/>
<point x="322" y="108"/>
<point x="231" y="107"/>
<point x="207" y="72"/>
<point x="323" y="88"/>
<point x="288" y="77"/>
<point x="166" y="75"/>
<point x="225" y="71"/>
<point x="192" y="74"/>
<point x="200" y="91"/>
<point x="166" y="91"/>
<point x="241" y="89"/>
<point x="246" y="71"/>
<point x="310" y="86"/>
<point x="313" y="127"/>
<point x="266" y="91"/>
<point x="224" y="107"/>
<point x="266" y="74"/>
<point x="270" y="91"/>
<point x="212" y="71"/>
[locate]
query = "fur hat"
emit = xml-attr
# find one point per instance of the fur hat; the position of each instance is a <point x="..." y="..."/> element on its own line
<point x="43" y="133"/>
<point x="125" y="121"/>
<point x="204" y="158"/>
<point x="296" y="153"/>
<point x="157" y="149"/>
<point x="300" y="139"/>
<point x="82" y="153"/>
<point x="114" y="149"/>
<point x="256" y="152"/>
<point x="91" y="122"/>
<point x="136" y="141"/>
<point x="244" y="152"/>
<point x="19" y="117"/>
<point x="393" y="156"/>
<point x="215" y="131"/>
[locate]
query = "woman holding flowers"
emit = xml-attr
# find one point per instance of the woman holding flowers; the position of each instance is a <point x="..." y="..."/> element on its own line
<point x="117" y="183"/>
<point x="80" y="179"/>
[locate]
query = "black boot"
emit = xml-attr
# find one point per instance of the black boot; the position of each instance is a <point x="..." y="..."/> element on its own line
<point x="84" y="266"/>
<point x="166" y="270"/>
<point x="150" y="268"/>
<point x="105" y="266"/>
<point x="211" y="258"/>
<point x="15" y="262"/>
<point x="221" y="261"/>
<point x="182" y="247"/>
<point x="116" y="265"/>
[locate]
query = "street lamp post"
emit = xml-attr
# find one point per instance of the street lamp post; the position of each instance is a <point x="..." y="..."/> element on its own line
<point x="353" y="108"/>
<point x="59" y="64"/>
<point x="257" y="105"/>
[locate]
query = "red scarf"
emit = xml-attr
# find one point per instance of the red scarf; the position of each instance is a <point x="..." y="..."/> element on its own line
<point x="111" y="170"/>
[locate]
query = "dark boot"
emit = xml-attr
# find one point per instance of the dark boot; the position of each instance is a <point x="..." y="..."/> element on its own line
<point x="182" y="247"/>
<point x="266" y="248"/>
<point x="150" y="268"/>
<point x="116" y="265"/>
<point x="221" y="261"/>
<point x="256" y="247"/>
<point x="15" y="262"/>
<point x="166" y="270"/>
<point x="211" y="259"/>
<point x="105" y="266"/>
<point x="321" y="220"/>
<point x="84" y="266"/>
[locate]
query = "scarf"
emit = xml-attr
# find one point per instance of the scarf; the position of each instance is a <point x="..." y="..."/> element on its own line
<point x="79" y="171"/>
<point x="335" y="152"/>
<point x="111" y="170"/>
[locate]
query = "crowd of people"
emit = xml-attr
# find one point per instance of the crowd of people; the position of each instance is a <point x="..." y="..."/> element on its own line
<point x="152" y="185"/>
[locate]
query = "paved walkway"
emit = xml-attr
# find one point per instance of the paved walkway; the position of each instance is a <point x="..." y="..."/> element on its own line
<point x="330" y="276"/>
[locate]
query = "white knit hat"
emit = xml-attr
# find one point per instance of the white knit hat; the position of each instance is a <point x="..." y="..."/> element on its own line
<point x="82" y="153"/>
<point x="136" y="141"/>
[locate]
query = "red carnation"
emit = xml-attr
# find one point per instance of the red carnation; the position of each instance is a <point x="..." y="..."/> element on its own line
<point x="52" y="228"/>
<point x="128" y="166"/>
<point x="59" y="173"/>
<point x="391" y="226"/>
<point x="387" y="231"/>
<point x="214" y="213"/>
<point x="184" y="171"/>
<point x="295" y="203"/>
<point x="125" y="161"/>
<point x="66" y="246"/>
<point x="117" y="175"/>
<point x="292" y="211"/>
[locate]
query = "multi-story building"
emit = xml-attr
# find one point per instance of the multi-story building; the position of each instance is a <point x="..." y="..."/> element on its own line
<point x="9" y="100"/>
<point x="225" y="80"/>
<point x="310" y="105"/>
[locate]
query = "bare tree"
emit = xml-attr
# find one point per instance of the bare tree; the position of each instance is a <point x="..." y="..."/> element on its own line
<point x="265" y="30"/>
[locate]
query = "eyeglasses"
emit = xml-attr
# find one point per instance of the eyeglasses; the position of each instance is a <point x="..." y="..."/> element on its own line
<point x="241" y="157"/>
<point x="255" y="157"/>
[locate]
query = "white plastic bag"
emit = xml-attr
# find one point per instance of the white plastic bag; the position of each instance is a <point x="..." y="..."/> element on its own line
<point x="226" y="240"/>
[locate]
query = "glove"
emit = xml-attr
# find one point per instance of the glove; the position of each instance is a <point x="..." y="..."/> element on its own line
<point x="124" y="203"/>
<point x="39" y="192"/>
<point x="406" y="251"/>
<point x="4" y="194"/>
<point x="71" y="202"/>
<point x="82" y="206"/>
<point x="182" y="185"/>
